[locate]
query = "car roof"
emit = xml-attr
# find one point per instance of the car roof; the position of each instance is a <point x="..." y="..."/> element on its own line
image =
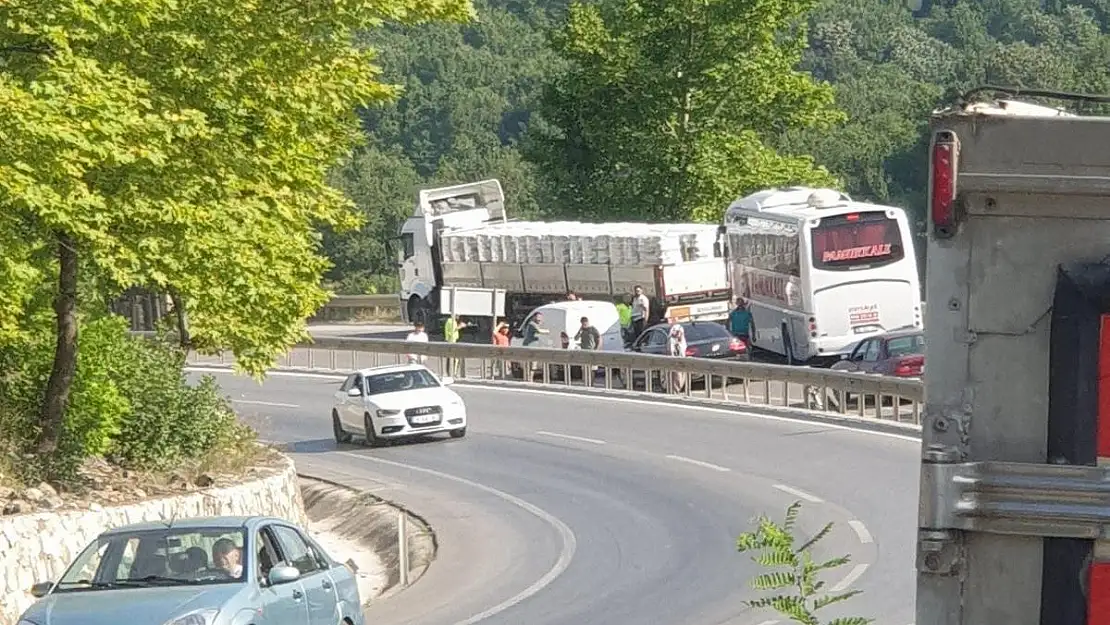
<point x="578" y="303"/>
<point x="195" y="523"/>
<point x="895" y="334"/>
<point x="390" y="369"/>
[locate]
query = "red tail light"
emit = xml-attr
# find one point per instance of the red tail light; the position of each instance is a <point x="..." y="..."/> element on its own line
<point x="737" y="345"/>
<point x="909" y="367"/>
<point x="942" y="189"/>
<point x="691" y="351"/>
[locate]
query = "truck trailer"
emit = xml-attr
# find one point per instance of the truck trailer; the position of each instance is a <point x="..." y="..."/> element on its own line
<point x="460" y="254"/>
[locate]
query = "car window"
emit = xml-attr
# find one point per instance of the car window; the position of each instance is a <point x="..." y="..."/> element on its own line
<point x="657" y="338"/>
<point x="267" y="555"/>
<point x="872" y="352"/>
<point x="175" y="556"/>
<point x="906" y="346"/>
<point x="294" y="550"/>
<point x="398" y="381"/>
<point x="705" y="331"/>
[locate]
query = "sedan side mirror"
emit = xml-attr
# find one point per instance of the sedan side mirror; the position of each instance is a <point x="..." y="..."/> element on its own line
<point x="283" y="575"/>
<point x="447" y="380"/>
<point x="354" y="392"/>
<point x="41" y="589"/>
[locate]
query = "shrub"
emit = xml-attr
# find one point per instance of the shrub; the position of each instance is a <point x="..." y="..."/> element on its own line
<point x="130" y="403"/>
<point x="793" y="575"/>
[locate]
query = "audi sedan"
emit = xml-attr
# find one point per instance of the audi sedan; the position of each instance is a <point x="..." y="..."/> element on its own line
<point x="382" y="404"/>
<point x="202" y="571"/>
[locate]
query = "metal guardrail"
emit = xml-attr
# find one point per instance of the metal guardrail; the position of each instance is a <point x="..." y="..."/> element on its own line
<point x="349" y="306"/>
<point x="728" y="381"/>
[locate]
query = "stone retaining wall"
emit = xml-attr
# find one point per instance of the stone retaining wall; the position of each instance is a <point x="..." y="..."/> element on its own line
<point x="38" y="547"/>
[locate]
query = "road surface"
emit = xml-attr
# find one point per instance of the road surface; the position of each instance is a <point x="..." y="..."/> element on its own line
<point x="558" y="510"/>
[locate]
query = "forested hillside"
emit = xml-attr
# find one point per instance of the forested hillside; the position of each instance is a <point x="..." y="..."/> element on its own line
<point x="493" y="98"/>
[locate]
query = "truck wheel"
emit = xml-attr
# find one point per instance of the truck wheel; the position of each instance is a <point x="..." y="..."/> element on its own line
<point x="418" y="310"/>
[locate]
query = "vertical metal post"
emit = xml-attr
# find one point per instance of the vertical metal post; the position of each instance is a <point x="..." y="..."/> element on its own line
<point x="402" y="548"/>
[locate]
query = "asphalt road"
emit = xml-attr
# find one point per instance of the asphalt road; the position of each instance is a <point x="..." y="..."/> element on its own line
<point x="560" y="510"/>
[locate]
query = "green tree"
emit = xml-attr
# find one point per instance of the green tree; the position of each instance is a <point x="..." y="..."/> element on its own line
<point x="183" y="146"/>
<point x="668" y="106"/>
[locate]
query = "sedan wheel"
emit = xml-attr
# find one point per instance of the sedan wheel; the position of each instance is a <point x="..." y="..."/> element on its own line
<point x="372" y="439"/>
<point x="341" y="436"/>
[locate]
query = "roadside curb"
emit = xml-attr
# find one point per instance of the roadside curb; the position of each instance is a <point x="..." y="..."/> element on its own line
<point x="796" y="414"/>
<point x="422" y="539"/>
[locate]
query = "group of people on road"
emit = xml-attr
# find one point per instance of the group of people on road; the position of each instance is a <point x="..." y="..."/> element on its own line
<point x="634" y="315"/>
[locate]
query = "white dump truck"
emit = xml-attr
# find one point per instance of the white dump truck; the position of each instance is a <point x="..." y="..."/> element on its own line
<point x="460" y="254"/>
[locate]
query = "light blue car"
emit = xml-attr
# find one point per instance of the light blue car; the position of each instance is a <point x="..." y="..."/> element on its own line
<point x="207" y="571"/>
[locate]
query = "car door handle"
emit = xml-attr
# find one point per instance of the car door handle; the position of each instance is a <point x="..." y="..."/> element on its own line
<point x="298" y="594"/>
<point x="326" y="584"/>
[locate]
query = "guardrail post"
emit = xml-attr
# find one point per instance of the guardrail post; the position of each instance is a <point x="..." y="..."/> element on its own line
<point x="402" y="548"/>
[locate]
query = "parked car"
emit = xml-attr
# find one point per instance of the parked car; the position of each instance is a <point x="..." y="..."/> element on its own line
<point x="704" y="339"/>
<point x="205" y="571"/>
<point x="899" y="353"/>
<point x="396" y="402"/>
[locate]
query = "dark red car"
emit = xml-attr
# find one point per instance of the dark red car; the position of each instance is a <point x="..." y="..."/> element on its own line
<point x="899" y="353"/>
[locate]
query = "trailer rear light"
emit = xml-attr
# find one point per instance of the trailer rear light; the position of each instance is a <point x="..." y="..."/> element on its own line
<point x="909" y="367"/>
<point x="942" y="187"/>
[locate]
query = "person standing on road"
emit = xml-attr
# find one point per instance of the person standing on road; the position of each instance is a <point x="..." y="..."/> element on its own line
<point x="417" y="336"/>
<point x="500" y="338"/>
<point x="641" y="311"/>
<point x="451" y="333"/>
<point x="676" y="346"/>
<point x="589" y="339"/>
<point x="740" y="321"/>
<point x="532" y="332"/>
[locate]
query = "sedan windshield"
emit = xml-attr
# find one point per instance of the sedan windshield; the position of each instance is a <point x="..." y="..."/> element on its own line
<point x="398" y="381"/>
<point x="159" y="557"/>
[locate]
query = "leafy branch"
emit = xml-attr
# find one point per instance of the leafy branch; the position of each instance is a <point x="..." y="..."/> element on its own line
<point x="792" y="573"/>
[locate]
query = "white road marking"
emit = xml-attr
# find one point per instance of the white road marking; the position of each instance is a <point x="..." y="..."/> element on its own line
<point x="580" y="439"/>
<point x="769" y="623"/>
<point x="627" y="400"/>
<point x="700" y="463"/>
<point x="264" y="403"/>
<point x="850" y="579"/>
<point x="566" y="554"/>
<point x="798" y="493"/>
<point x="861" y="531"/>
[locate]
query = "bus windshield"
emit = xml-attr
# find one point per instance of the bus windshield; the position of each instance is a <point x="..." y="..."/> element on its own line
<point x="856" y="241"/>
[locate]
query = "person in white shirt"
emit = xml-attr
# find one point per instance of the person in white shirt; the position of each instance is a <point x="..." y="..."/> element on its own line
<point x="417" y="336"/>
<point x="641" y="311"/>
<point x="676" y="346"/>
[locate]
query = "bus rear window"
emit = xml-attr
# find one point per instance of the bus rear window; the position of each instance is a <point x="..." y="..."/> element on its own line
<point x="857" y="240"/>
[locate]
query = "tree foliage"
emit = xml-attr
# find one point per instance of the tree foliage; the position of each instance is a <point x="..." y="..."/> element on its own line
<point x="181" y="145"/>
<point x="791" y="572"/>
<point x="667" y="106"/>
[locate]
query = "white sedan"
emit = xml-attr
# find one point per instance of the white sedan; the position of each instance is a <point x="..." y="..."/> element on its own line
<point x="396" y="401"/>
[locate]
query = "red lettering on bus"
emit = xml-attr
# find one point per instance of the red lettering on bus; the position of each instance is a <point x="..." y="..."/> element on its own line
<point x="853" y="253"/>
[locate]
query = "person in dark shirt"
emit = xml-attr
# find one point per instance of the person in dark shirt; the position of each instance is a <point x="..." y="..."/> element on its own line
<point x="740" y="321"/>
<point x="533" y="330"/>
<point x="588" y="337"/>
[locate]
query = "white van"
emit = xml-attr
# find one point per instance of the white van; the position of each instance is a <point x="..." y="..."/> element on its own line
<point x="562" y="320"/>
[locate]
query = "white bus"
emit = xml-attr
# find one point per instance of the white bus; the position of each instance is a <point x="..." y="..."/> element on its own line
<point x="821" y="271"/>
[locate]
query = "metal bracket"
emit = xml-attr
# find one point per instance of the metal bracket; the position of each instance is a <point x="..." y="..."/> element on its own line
<point x="1014" y="498"/>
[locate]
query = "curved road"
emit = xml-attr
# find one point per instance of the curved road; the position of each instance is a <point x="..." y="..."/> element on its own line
<point x="560" y="510"/>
